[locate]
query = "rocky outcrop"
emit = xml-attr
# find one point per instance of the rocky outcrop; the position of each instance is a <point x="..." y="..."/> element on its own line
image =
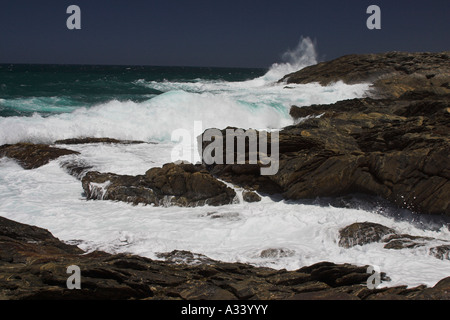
<point x="174" y="184"/>
<point x="34" y="265"/>
<point x="393" y="148"/>
<point x="31" y="156"/>
<point x="392" y="74"/>
<point x="363" y="233"/>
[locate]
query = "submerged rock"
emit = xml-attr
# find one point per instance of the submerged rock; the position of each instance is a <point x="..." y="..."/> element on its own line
<point x="31" y="156"/>
<point x="174" y="184"/>
<point x="362" y="233"/>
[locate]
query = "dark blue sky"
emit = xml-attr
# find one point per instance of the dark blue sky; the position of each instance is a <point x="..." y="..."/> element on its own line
<point x="211" y="33"/>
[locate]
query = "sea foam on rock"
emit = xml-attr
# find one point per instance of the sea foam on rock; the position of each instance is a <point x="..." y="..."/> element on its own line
<point x="33" y="265"/>
<point x="184" y="185"/>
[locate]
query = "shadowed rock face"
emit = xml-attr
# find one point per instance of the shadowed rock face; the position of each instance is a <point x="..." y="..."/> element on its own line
<point x="174" y="184"/>
<point x="33" y="265"/>
<point x="31" y="156"/>
<point x="393" y="148"/>
<point x="392" y="74"/>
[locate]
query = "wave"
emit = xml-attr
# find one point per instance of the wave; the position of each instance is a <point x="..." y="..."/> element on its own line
<point x="261" y="103"/>
<point x="157" y="118"/>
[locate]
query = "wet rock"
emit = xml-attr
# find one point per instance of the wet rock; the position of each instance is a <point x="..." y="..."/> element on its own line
<point x="363" y="233"/>
<point x="396" y="149"/>
<point x="97" y="140"/>
<point x="174" y="184"/>
<point x="185" y="257"/>
<point x="402" y="241"/>
<point x="33" y="265"/>
<point x="31" y="156"/>
<point x="367" y="232"/>
<point x="250" y="196"/>
<point x="76" y="167"/>
<point x="275" y="253"/>
<point x="392" y="73"/>
<point x="441" y="252"/>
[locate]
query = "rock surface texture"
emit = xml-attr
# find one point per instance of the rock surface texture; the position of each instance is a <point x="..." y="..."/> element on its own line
<point x="396" y="147"/>
<point x="394" y="144"/>
<point x="33" y="265"/>
<point x="183" y="185"/>
<point x="392" y="74"/>
<point x="31" y="156"/>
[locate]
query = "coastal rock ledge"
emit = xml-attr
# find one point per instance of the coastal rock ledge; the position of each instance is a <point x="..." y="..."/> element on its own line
<point x="33" y="265"/>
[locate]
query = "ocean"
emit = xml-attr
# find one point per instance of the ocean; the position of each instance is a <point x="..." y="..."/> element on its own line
<point x="45" y="103"/>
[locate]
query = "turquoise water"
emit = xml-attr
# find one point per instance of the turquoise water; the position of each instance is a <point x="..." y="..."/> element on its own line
<point x="53" y="89"/>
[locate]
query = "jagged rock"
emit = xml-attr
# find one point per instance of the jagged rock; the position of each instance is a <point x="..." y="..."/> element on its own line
<point x="31" y="156"/>
<point x="395" y="149"/>
<point x="392" y="73"/>
<point x="173" y="184"/>
<point x="33" y="265"/>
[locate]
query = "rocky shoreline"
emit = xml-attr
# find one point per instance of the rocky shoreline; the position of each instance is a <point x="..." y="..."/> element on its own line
<point x="394" y="145"/>
<point x="33" y="266"/>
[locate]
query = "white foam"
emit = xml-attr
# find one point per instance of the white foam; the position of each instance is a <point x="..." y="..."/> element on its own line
<point x="49" y="198"/>
<point x="219" y="105"/>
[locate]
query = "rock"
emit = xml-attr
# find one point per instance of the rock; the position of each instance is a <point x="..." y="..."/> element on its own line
<point x="174" y="184"/>
<point x="441" y="252"/>
<point x="392" y="73"/>
<point x="185" y="257"/>
<point x="33" y="265"/>
<point x="402" y="241"/>
<point x="76" y="167"/>
<point x="31" y="156"/>
<point x="276" y="253"/>
<point x="250" y="196"/>
<point x="396" y="149"/>
<point x="362" y="233"/>
<point x="97" y="140"/>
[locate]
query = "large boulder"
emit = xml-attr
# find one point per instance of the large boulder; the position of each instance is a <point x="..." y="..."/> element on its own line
<point x="174" y="184"/>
